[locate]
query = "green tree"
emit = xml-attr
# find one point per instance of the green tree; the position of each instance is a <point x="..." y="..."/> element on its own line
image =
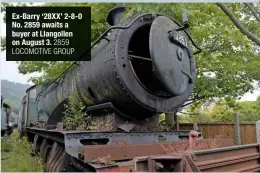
<point x="223" y="111"/>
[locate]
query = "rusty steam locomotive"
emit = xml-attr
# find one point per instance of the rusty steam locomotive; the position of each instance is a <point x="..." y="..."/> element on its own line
<point x="139" y="68"/>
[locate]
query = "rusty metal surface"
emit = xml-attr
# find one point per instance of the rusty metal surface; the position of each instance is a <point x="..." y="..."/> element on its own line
<point x="128" y="166"/>
<point x="229" y="159"/>
<point x="245" y="158"/>
<point x="155" y="163"/>
<point x="102" y="161"/>
<point x="128" y="151"/>
<point x="161" y="163"/>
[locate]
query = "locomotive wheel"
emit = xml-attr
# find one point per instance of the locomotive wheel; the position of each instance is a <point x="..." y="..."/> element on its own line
<point x="43" y="146"/>
<point x="56" y="159"/>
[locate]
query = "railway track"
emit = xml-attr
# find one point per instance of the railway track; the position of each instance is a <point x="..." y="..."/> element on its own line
<point x="245" y="158"/>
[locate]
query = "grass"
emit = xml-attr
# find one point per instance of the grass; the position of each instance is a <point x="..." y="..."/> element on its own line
<point x="15" y="155"/>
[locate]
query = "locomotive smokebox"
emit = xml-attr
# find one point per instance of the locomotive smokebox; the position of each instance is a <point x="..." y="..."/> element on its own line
<point x="144" y="66"/>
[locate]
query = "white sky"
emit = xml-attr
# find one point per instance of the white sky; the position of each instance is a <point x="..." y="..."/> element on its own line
<point x="9" y="70"/>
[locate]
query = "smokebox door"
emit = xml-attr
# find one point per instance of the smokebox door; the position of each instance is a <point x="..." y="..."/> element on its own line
<point x="170" y="58"/>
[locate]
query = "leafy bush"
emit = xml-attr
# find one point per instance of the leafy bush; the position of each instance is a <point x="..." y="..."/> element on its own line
<point x="223" y="111"/>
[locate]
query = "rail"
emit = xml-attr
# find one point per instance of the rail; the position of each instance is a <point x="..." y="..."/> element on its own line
<point x="244" y="158"/>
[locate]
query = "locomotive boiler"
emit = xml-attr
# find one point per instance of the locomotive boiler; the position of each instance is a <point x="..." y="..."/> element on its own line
<point x="140" y="67"/>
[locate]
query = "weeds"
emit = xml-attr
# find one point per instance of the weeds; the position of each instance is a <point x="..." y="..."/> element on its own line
<point x="5" y="144"/>
<point x="16" y="156"/>
<point x="74" y="115"/>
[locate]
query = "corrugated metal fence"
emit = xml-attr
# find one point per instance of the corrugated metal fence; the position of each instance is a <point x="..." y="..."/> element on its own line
<point x="248" y="131"/>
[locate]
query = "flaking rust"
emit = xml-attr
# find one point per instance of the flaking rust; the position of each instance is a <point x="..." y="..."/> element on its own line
<point x="102" y="161"/>
<point x="125" y="150"/>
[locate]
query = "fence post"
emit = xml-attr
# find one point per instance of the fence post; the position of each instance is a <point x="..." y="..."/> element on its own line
<point x="237" y="129"/>
<point x="177" y="122"/>
<point x="195" y="126"/>
<point x="258" y="131"/>
<point x="169" y="118"/>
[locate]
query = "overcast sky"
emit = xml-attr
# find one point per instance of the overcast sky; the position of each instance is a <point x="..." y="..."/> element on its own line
<point x="9" y="70"/>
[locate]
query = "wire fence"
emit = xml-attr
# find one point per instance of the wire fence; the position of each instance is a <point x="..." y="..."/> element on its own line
<point x="258" y="131"/>
<point x="241" y="132"/>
